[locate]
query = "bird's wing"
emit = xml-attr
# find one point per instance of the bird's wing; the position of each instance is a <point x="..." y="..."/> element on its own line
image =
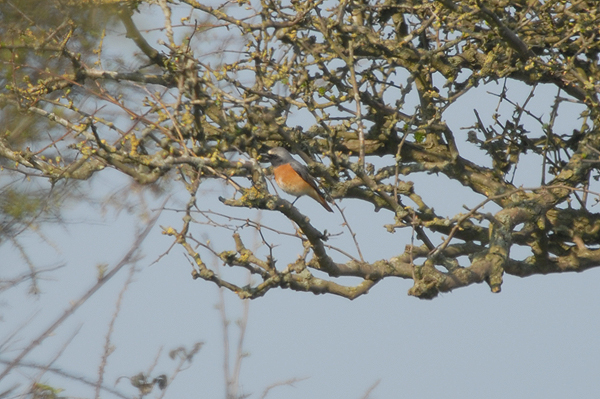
<point x="304" y="174"/>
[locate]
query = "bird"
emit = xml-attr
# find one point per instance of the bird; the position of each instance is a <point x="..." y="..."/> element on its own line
<point x="293" y="177"/>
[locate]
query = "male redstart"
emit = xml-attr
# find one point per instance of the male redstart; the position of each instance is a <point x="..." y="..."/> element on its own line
<point x="293" y="177"/>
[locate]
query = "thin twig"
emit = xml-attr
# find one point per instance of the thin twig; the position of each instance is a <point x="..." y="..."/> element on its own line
<point x="289" y="382"/>
<point x="352" y="233"/>
<point x="371" y="388"/>
<point x="361" y="130"/>
<point x="107" y="343"/>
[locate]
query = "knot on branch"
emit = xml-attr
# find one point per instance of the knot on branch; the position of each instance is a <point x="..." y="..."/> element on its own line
<point x="425" y="288"/>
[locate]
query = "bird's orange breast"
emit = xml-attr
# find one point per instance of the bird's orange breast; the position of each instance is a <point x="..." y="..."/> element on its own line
<point x="290" y="181"/>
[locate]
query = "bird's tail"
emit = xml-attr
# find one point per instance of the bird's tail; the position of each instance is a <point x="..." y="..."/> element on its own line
<point x="321" y="200"/>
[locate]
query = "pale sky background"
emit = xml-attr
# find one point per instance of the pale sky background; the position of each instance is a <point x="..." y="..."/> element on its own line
<point x="538" y="338"/>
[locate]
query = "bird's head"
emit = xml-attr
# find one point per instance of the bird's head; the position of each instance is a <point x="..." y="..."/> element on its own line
<point x="278" y="156"/>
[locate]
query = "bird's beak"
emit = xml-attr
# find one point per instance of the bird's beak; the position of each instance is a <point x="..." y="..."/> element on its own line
<point x="265" y="157"/>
